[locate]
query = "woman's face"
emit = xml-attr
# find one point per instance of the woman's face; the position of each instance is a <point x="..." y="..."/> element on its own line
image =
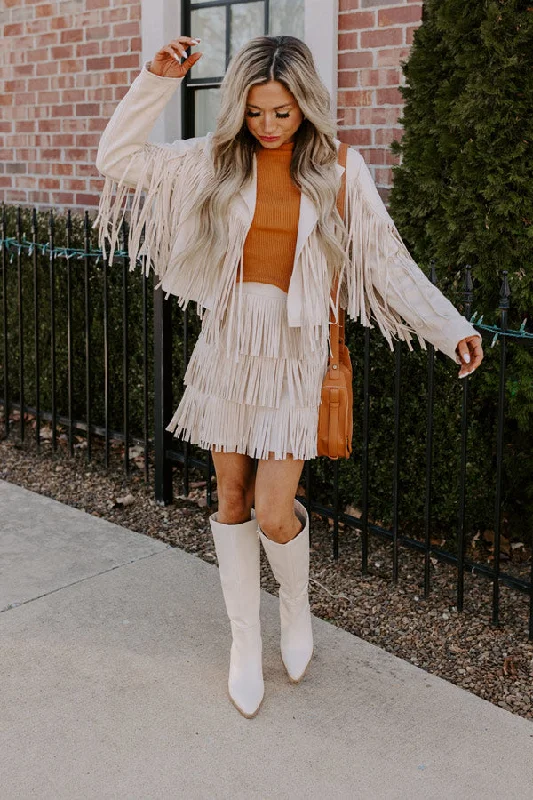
<point x="272" y="114"/>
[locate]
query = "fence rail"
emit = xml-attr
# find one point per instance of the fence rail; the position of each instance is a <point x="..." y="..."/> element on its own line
<point x="103" y="343"/>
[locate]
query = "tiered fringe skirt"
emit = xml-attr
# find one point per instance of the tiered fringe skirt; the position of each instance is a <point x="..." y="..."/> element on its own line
<point x="256" y="396"/>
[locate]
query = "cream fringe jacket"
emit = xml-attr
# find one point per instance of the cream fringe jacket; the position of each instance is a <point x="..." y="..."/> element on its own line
<point x="382" y="284"/>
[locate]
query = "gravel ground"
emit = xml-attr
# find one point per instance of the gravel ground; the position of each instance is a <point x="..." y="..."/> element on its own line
<point x="494" y="663"/>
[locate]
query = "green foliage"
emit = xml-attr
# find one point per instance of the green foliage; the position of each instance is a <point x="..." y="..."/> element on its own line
<point x="463" y="194"/>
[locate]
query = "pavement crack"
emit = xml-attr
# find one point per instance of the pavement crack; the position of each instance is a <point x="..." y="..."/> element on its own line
<point x="11" y="606"/>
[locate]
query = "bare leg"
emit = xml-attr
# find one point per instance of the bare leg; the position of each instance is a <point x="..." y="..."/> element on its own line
<point x="235" y="486"/>
<point x="275" y="489"/>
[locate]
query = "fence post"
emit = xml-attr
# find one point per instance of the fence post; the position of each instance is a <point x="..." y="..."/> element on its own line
<point x="162" y="396"/>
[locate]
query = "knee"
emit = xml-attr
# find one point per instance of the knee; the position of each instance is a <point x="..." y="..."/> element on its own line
<point x="234" y="502"/>
<point x="279" y="528"/>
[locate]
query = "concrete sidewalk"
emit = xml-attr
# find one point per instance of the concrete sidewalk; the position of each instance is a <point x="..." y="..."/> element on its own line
<point x="114" y="652"/>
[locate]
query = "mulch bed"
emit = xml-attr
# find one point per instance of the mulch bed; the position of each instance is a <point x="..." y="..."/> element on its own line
<point x="494" y="663"/>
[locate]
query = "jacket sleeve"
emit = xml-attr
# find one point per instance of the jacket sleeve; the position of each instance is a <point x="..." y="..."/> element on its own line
<point x="154" y="177"/>
<point x="123" y="151"/>
<point x="383" y="280"/>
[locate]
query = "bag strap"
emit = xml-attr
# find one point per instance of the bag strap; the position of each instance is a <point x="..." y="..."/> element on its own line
<point x="336" y="329"/>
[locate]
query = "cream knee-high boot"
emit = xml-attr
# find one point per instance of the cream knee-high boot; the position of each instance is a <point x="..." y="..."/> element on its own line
<point x="237" y="548"/>
<point x="290" y="565"/>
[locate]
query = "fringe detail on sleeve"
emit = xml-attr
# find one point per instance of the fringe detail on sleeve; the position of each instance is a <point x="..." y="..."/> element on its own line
<point x="377" y="255"/>
<point x="162" y="199"/>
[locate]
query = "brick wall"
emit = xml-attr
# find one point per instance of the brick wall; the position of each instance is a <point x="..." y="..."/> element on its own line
<point x="374" y="36"/>
<point x="63" y="67"/>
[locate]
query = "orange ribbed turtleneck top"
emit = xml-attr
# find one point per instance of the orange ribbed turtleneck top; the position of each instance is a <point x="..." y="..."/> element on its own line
<point x="270" y="245"/>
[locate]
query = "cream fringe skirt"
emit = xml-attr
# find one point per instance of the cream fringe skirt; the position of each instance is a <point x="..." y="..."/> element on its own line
<point x="259" y="397"/>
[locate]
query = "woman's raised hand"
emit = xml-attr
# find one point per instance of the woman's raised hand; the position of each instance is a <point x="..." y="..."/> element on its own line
<point x="167" y="61"/>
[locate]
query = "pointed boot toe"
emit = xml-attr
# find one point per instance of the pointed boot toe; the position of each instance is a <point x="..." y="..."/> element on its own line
<point x="245" y="683"/>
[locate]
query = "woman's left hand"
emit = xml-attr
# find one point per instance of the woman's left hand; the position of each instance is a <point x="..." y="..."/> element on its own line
<point x="470" y="352"/>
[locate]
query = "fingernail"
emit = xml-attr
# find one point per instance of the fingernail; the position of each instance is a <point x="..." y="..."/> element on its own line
<point x="466" y="358"/>
<point x="176" y="56"/>
<point x="197" y="41"/>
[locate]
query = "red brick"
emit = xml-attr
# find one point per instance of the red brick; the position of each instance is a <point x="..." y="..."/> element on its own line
<point x="49" y="67"/>
<point x="25" y="125"/>
<point x="87" y="109"/>
<point x="122" y="62"/>
<point x="360" y="19"/>
<point x="97" y="124"/>
<point x="347" y="99"/>
<point x="382" y="38"/>
<point x="348" y="41"/>
<point x="61" y="198"/>
<point x="37" y="25"/>
<point x="47" y="98"/>
<point x="71" y="65"/>
<point x="13" y="30"/>
<point x="100" y="32"/>
<point x="74" y="184"/>
<point x="399" y="15"/>
<point x="40" y="54"/>
<point x="62" y="51"/>
<point x="62" y="111"/>
<point x="6" y="99"/>
<point x="379" y="77"/>
<point x="136" y="44"/>
<point x="103" y="62"/>
<point x="76" y="154"/>
<point x="358" y="136"/>
<point x="87" y="140"/>
<point x="100" y="93"/>
<point x="379" y="116"/>
<point x="87" y="49"/>
<point x="49" y="125"/>
<point x="53" y="154"/>
<point x="38" y="84"/>
<point x="348" y="5"/>
<point x="24" y="69"/>
<point x="392" y="57"/>
<point x="115" y="77"/>
<point x="354" y="60"/>
<point x="87" y="199"/>
<point x="126" y="29"/>
<point x="71" y="35"/>
<point x="62" y="169"/>
<point x="348" y="79"/>
<point x="114" y="14"/>
<point x="47" y="39"/>
<point x="49" y="183"/>
<point x="389" y="97"/>
<point x="15" y="86"/>
<point x="91" y="4"/>
<point x="45" y="10"/>
<point x="60" y="23"/>
<point x="387" y="135"/>
<point x="73" y="95"/>
<point x="115" y="46"/>
<point x="348" y="116"/>
<point x="410" y="34"/>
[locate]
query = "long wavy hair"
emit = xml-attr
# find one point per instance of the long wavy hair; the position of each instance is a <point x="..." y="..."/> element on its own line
<point x="289" y="61"/>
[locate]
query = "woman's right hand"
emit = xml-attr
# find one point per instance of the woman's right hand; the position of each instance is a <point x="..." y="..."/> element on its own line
<point x="166" y="61"/>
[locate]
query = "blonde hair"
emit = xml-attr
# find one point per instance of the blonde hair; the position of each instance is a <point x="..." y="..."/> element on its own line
<point x="289" y="61"/>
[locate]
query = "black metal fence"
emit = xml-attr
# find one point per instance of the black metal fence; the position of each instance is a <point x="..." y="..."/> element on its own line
<point x="93" y="349"/>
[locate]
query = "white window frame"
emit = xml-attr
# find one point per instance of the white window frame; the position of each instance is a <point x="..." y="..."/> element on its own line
<point x="161" y="20"/>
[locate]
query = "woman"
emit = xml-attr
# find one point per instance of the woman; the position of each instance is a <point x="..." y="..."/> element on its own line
<point x="244" y="222"/>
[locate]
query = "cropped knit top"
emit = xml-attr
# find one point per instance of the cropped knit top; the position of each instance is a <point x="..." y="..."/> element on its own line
<point x="270" y="245"/>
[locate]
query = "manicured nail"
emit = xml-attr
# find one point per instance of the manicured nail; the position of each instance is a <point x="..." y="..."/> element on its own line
<point x="176" y="56"/>
<point x="466" y="358"/>
<point x="197" y="41"/>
